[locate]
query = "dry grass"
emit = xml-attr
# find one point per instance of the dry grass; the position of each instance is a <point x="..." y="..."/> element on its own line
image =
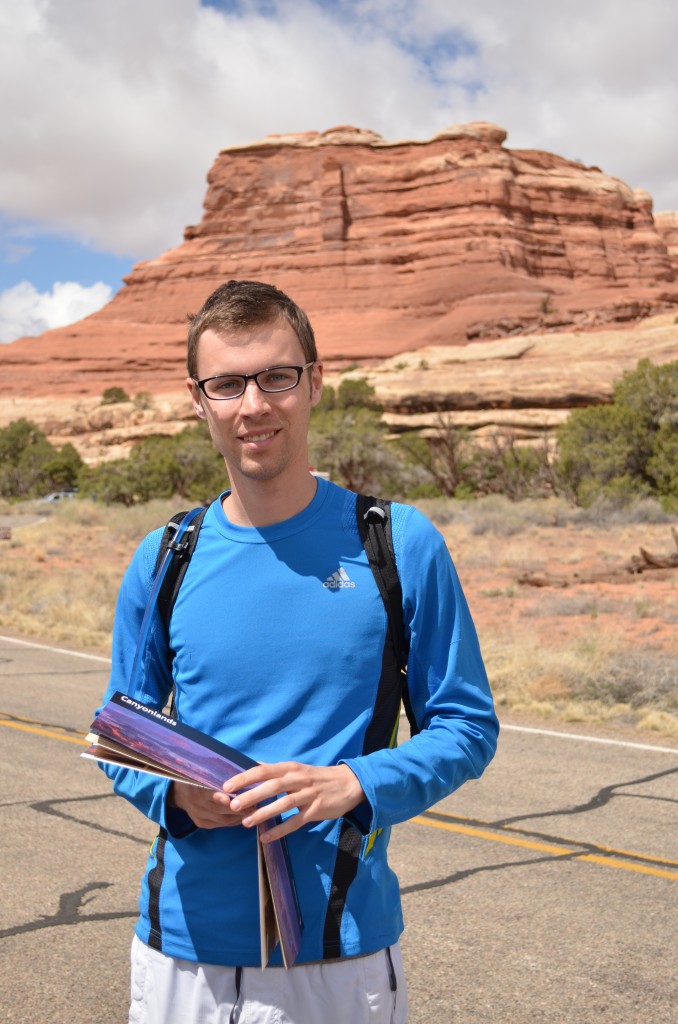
<point x="587" y="652"/>
<point x="591" y="679"/>
<point x="596" y="653"/>
<point x="63" y="566"/>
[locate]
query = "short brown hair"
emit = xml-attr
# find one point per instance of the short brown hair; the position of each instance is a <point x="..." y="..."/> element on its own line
<point x="237" y="305"/>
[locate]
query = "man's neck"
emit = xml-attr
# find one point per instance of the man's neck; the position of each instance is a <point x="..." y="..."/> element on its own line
<point x="265" y="502"/>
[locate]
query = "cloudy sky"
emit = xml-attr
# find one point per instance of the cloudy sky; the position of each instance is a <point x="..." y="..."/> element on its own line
<point x="112" y="113"/>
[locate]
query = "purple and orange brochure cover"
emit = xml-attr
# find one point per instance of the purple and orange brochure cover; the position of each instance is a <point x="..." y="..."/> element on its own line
<point x="133" y="735"/>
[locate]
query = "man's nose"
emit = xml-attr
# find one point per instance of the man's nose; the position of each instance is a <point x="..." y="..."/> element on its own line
<point x="253" y="397"/>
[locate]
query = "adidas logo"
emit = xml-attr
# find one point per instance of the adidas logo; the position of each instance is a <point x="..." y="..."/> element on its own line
<point x="338" y="580"/>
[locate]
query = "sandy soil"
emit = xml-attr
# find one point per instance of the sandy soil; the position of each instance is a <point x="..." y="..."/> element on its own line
<point x="635" y="609"/>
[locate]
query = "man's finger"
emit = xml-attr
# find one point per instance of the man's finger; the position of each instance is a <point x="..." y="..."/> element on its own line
<point x="284" y="828"/>
<point x="266" y="812"/>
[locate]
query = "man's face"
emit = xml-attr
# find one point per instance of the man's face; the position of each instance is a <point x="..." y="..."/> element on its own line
<point x="260" y="435"/>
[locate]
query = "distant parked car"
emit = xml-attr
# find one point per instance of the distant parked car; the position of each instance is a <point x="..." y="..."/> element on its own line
<point x="60" y="495"/>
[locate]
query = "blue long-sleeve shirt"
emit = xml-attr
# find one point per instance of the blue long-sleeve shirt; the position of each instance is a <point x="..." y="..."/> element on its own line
<point x="278" y="635"/>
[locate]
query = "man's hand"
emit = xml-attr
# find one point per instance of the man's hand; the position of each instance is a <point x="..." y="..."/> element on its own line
<point x="205" y="808"/>
<point x="316" y="793"/>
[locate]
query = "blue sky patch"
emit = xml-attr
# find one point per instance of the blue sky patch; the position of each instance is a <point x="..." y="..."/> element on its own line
<point x="28" y="255"/>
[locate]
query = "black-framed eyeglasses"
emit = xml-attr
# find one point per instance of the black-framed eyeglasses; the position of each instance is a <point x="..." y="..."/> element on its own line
<point x="273" y="380"/>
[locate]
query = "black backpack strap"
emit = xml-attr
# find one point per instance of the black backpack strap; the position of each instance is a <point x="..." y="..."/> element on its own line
<point x="374" y="524"/>
<point x="178" y="564"/>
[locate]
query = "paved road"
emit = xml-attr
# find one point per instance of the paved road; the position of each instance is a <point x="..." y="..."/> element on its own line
<point x="545" y="892"/>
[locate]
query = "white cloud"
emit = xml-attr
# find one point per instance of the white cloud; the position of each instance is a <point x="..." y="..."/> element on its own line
<point x="115" y="112"/>
<point x="27" y="312"/>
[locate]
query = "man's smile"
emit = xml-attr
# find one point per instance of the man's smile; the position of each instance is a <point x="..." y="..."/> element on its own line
<point x="257" y="438"/>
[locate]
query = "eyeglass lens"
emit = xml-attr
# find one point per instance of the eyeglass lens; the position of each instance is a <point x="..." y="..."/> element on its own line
<point x="279" y="378"/>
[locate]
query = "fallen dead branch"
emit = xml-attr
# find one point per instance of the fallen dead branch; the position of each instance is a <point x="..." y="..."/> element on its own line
<point x="659" y="565"/>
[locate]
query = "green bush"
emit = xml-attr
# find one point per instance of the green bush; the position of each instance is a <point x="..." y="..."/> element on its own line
<point x="348" y="440"/>
<point x="112" y="396"/>
<point x="629" y="448"/>
<point x="30" y="466"/>
<point x="459" y="466"/>
<point x="445" y="460"/>
<point x="514" y="470"/>
<point x="186" y="465"/>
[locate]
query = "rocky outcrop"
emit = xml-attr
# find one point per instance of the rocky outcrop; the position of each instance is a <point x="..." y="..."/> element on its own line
<point x="522" y="386"/>
<point x="390" y="246"/>
<point x="667" y="226"/>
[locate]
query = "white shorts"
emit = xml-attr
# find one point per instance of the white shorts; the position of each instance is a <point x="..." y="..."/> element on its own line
<point x="361" y="990"/>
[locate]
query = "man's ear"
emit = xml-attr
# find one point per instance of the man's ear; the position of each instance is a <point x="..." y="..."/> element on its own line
<point x="196" y="398"/>
<point x="316" y="383"/>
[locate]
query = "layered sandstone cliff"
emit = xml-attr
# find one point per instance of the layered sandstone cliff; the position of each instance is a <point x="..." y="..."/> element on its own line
<point x="390" y="246"/>
<point x="667" y="225"/>
<point x="523" y="386"/>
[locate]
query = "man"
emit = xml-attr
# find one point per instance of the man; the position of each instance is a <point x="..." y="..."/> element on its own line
<point x="273" y="660"/>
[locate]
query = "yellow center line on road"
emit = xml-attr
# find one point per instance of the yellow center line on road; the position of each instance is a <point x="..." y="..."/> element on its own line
<point x="479" y="833"/>
<point x="473" y="831"/>
<point x="41" y="731"/>
<point x="624" y="865"/>
<point x="557" y="851"/>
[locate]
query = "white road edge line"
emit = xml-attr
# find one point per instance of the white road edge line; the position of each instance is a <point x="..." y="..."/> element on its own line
<point x="589" y="739"/>
<point x="54" y="650"/>
<point x="584" y="739"/>
<point x="514" y="728"/>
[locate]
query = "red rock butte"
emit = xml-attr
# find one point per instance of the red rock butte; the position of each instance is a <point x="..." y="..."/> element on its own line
<point x="389" y="246"/>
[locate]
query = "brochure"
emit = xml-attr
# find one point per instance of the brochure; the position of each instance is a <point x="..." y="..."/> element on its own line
<point x="133" y="735"/>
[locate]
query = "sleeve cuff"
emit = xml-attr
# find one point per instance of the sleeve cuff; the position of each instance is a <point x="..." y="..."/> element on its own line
<point x="177" y="822"/>
<point x="363" y="816"/>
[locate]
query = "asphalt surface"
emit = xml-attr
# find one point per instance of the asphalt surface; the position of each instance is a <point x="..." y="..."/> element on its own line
<point x="545" y="892"/>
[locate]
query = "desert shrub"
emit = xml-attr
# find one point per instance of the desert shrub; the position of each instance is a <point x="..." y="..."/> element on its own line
<point x="628" y="448"/>
<point x="109" y="482"/>
<point x="607" y="510"/>
<point x="639" y="678"/>
<point x="186" y="465"/>
<point x="501" y="516"/>
<point x="446" y="459"/>
<point x="30" y="466"/>
<point x="497" y="515"/>
<point x="566" y="605"/>
<point x="458" y="465"/>
<point x="515" y="470"/>
<point x="592" y="678"/>
<point x="113" y="395"/>
<point x="348" y="440"/>
<point x="662" y="466"/>
<point x="143" y="400"/>
<point x="354" y="393"/>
